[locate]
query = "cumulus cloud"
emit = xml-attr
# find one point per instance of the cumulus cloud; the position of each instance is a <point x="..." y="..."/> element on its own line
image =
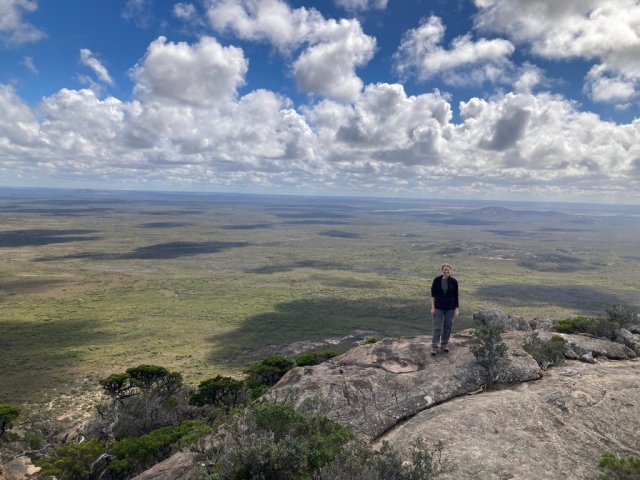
<point x="201" y="75"/>
<point x="606" y="31"/>
<point x="14" y="30"/>
<point x="331" y="50"/>
<point x="328" y="66"/>
<point x="466" y="62"/>
<point x="360" y="5"/>
<point x="88" y="58"/>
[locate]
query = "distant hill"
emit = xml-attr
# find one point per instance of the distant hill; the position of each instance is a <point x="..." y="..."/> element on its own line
<point x="497" y="212"/>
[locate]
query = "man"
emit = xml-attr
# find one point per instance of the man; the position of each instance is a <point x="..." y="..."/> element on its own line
<point x="444" y="308"/>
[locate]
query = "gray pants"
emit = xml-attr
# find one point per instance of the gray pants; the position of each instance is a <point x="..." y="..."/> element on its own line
<point x="442" y="321"/>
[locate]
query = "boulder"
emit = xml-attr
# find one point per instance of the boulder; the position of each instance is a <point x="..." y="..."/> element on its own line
<point x="635" y="328"/>
<point x="373" y="387"/>
<point x="579" y="345"/>
<point x="493" y="316"/>
<point x="180" y="466"/>
<point x="556" y="427"/>
<point x="544" y="324"/>
<point x="20" y="468"/>
<point x="629" y="339"/>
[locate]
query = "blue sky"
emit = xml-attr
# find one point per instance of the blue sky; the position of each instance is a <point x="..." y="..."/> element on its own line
<point x="504" y="99"/>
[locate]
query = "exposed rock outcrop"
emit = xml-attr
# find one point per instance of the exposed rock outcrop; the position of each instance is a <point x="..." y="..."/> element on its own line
<point x="177" y="467"/>
<point x="557" y="427"/>
<point x="629" y="339"/>
<point x="373" y="387"/>
<point x="20" y="468"/>
<point x="493" y="316"/>
<point x="579" y="345"/>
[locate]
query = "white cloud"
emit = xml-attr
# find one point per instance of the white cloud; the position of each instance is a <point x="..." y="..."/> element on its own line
<point x="28" y="62"/>
<point x="328" y="66"/>
<point x="138" y="11"/>
<point x="88" y="58"/>
<point x="201" y="75"/>
<point x="184" y="11"/>
<point x="331" y="50"/>
<point x="466" y="62"/>
<point x="602" y="30"/>
<point x="14" y="31"/>
<point x="361" y="5"/>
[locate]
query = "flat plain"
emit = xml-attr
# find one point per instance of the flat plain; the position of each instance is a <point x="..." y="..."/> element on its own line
<point x="94" y="282"/>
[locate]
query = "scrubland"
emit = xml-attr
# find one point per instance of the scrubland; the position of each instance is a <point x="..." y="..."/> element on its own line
<point x="93" y="283"/>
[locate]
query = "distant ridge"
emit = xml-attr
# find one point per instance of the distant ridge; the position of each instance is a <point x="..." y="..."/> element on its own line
<point x="503" y="212"/>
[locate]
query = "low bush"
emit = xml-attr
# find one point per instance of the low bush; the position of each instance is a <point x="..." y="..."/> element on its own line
<point x="272" y="441"/>
<point x="619" y="468"/>
<point x="268" y="371"/>
<point x="371" y="340"/>
<point x="547" y="353"/>
<point x="72" y="462"/>
<point x="596" y="326"/>
<point x="8" y="413"/>
<point x="314" y="358"/>
<point x="622" y="316"/>
<point x="358" y="462"/>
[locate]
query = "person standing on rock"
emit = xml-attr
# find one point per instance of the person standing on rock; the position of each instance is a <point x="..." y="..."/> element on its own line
<point x="444" y="308"/>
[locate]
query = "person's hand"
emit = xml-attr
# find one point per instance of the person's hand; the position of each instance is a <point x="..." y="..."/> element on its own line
<point x="433" y="311"/>
<point x="456" y="312"/>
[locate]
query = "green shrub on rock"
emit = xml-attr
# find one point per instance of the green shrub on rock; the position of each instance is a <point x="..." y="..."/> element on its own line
<point x="596" y="326"/>
<point x="72" y="462"/>
<point x="492" y="349"/>
<point x="272" y="441"/>
<point x="619" y="468"/>
<point x="268" y="371"/>
<point x="314" y="358"/>
<point x="545" y="353"/>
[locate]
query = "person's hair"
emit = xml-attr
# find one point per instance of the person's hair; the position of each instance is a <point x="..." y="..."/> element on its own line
<point x="445" y="265"/>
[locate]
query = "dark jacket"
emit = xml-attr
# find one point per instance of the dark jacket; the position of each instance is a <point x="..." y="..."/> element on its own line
<point x="448" y="301"/>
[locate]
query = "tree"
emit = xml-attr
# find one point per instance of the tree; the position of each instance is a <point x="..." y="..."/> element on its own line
<point x="491" y="351"/>
<point x="221" y="392"/>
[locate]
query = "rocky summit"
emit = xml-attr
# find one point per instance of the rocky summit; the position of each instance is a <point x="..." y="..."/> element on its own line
<point x="533" y="424"/>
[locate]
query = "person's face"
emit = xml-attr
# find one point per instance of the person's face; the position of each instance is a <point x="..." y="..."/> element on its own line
<point x="446" y="271"/>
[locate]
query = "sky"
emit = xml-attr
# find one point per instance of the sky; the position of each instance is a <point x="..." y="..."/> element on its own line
<point x="488" y="99"/>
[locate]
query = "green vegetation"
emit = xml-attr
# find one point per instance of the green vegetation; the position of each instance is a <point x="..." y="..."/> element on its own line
<point x="358" y="462"/>
<point x="492" y="349"/>
<point x="313" y="358"/>
<point x="547" y="353"/>
<point x="8" y="413"/>
<point x="208" y="285"/>
<point x="371" y="341"/>
<point x="222" y="392"/>
<point x="618" y="316"/>
<point x="619" y="468"/>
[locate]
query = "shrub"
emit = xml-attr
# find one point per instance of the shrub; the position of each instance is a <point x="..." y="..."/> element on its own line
<point x="268" y="371"/>
<point x="545" y="353"/>
<point x="314" y="358"/>
<point x="619" y="468"/>
<point x="221" y="391"/>
<point x="358" y="462"/>
<point x="8" y="413"/>
<point x="133" y="456"/>
<point x="371" y="340"/>
<point x="72" y="462"/>
<point x="622" y="316"/>
<point x="596" y="326"/>
<point x="490" y="351"/>
<point x="272" y="441"/>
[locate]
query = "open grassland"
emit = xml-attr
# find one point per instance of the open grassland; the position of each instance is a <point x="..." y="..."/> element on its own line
<point x="92" y="283"/>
